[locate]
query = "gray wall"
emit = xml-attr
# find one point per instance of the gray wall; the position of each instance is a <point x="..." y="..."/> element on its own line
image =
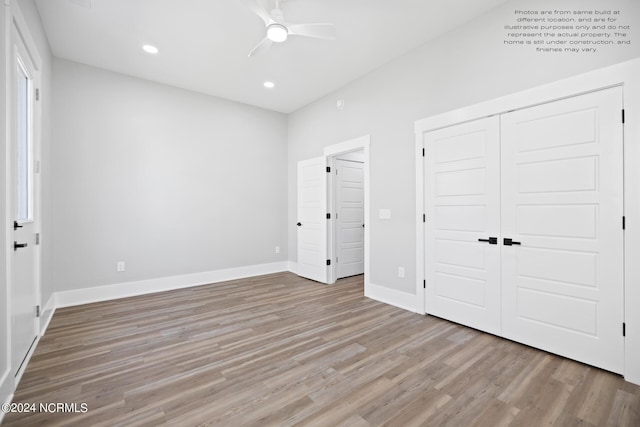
<point x="466" y="66"/>
<point x="170" y="181"/>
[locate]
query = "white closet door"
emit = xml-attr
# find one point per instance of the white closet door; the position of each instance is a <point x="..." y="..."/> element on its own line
<point x="562" y="199"/>
<point x="312" y="219"/>
<point x="462" y="198"/>
<point x="349" y="218"/>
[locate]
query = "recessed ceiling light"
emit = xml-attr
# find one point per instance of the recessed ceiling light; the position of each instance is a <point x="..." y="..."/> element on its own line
<point x="150" y="49"/>
<point x="269" y="85"/>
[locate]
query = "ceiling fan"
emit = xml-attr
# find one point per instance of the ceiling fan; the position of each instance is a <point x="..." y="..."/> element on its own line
<point x="278" y="29"/>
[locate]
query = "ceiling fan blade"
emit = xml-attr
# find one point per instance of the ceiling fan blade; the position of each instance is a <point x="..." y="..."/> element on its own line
<point x="262" y="46"/>
<point x="256" y="7"/>
<point x="318" y="31"/>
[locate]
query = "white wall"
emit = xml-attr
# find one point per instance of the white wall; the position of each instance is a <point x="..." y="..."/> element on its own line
<point x="468" y="65"/>
<point x="170" y="181"/>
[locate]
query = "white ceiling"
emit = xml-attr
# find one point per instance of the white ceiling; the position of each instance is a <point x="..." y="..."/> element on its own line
<point x="204" y="43"/>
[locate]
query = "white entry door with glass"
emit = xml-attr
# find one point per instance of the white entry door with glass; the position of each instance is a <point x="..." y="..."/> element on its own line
<point x="24" y="307"/>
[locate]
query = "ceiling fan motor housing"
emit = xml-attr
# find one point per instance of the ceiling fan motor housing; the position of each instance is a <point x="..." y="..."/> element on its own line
<point x="277" y="15"/>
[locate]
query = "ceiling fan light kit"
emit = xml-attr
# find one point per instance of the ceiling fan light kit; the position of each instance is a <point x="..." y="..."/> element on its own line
<point x="278" y="30"/>
<point x="277" y="33"/>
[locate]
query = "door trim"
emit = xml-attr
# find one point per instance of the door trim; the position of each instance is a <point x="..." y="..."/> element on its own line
<point x="623" y="74"/>
<point x="331" y="151"/>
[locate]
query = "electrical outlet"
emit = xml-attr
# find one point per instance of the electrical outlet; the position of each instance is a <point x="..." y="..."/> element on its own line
<point x="384" y="214"/>
<point x="401" y="272"/>
<point x="277" y="249"/>
<point x="120" y="266"/>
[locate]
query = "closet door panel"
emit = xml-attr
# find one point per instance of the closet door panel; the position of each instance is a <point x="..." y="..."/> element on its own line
<point x="462" y="205"/>
<point x="562" y="200"/>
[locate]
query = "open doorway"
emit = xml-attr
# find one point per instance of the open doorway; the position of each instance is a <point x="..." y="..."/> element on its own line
<point x="316" y="223"/>
<point x="348" y="205"/>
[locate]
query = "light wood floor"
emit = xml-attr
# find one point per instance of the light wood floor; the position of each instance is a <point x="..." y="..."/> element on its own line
<point x="280" y="350"/>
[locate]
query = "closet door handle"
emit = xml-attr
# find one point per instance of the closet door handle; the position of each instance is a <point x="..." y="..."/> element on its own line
<point x="299" y="225"/>
<point x="17" y="245"/>
<point x="490" y="240"/>
<point x="509" y="242"/>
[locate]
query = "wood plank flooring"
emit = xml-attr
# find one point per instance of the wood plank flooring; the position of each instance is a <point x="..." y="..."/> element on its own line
<point x="281" y="350"/>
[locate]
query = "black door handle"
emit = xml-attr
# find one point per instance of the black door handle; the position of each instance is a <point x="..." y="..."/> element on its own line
<point x="298" y="224"/>
<point x="509" y="242"/>
<point x="15" y="225"/>
<point x="17" y="245"/>
<point x="490" y="240"/>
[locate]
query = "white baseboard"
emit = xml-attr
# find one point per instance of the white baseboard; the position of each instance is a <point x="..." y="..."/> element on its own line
<point x="292" y="266"/>
<point x="47" y="314"/>
<point x="142" y="287"/>
<point x="391" y="296"/>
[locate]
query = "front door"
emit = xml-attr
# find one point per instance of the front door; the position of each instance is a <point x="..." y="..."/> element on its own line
<point x="24" y="325"/>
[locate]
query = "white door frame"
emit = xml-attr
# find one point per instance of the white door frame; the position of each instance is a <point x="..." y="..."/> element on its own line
<point x="330" y="152"/>
<point x="625" y="75"/>
<point x="15" y="23"/>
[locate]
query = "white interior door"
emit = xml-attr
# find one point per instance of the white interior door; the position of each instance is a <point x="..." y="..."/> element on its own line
<point x="349" y="223"/>
<point x="24" y="327"/>
<point x="562" y="201"/>
<point x="462" y="205"/>
<point x="312" y="219"/>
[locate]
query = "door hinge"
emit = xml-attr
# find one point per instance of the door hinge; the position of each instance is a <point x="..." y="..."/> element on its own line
<point x="424" y="217"/>
<point x="37" y="238"/>
<point x="337" y="260"/>
<point x="624" y="223"/>
<point x="623" y="115"/>
<point x="328" y="216"/>
<point x="37" y="311"/>
<point x="424" y="284"/>
<point x="423" y="152"/>
<point x="37" y="94"/>
<point x="328" y="169"/>
<point x="328" y="262"/>
<point x="624" y="329"/>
